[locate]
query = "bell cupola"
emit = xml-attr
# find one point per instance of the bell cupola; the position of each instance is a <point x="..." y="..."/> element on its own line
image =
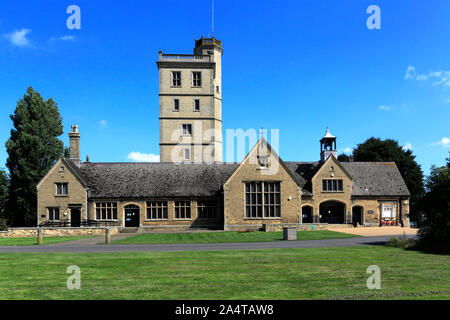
<point x="327" y="146"/>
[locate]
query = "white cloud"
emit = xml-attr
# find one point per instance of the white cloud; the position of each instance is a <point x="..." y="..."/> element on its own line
<point x="143" y="157"/>
<point x="385" y="108"/>
<point x="410" y="72"/>
<point x="440" y="77"/>
<point x="103" y="123"/>
<point x="445" y="142"/>
<point x="408" y="146"/>
<point x="19" y="38"/>
<point x="63" y="38"/>
<point x="447" y="100"/>
<point x="348" y="150"/>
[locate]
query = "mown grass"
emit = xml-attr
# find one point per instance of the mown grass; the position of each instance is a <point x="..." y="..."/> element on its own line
<point x="316" y="273"/>
<point x="31" y="241"/>
<point x="227" y="236"/>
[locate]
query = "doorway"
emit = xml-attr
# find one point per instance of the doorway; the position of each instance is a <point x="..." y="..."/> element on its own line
<point x="357" y="213"/>
<point x="307" y="214"/>
<point x="132" y="216"/>
<point x="332" y="212"/>
<point x="75" y="218"/>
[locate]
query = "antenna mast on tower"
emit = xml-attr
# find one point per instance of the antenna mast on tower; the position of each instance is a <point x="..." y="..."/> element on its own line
<point x="212" y="17"/>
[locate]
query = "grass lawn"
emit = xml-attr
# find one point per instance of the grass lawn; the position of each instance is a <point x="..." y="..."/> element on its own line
<point x="316" y="273"/>
<point x="227" y="236"/>
<point x="31" y="241"/>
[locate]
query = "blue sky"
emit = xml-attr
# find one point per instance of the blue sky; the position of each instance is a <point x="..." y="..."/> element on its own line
<point x="297" y="66"/>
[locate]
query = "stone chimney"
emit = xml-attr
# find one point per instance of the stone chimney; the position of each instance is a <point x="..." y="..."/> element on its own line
<point x="74" y="150"/>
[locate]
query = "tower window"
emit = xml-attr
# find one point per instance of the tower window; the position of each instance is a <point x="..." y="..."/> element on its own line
<point x="176" y="105"/>
<point x="176" y="78"/>
<point x="196" y="79"/>
<point x="186" y="154"/>
<point x="197" y="105"/>
<point x="217" y="89"/>
<point x="187" y="129"/>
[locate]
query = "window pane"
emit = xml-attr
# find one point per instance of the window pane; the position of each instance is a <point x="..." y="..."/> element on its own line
<point x="188" y="213"/>
<point x="259" y="210"/>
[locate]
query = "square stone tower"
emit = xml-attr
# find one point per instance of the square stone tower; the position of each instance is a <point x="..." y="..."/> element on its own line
<point x="190" y="104"/>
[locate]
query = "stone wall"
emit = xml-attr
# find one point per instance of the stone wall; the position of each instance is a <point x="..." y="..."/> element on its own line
<point x="300" y="227"/>
<point x="47" y="197"/>
<point x="55" y="232"/>
<point x="171" y="221"/>
<point x="249" y="171"/>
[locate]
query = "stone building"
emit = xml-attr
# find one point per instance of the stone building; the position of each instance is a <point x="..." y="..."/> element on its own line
<point x="261" y="191"/>
<point x="190" y="104"/>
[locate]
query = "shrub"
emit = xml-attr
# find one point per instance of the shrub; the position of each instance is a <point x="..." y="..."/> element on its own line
<point x="401" y="242"/>
<point x="3" y="225"/>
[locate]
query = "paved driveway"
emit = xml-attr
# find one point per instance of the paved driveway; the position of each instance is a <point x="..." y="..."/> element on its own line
<point x="361" y="241"/>
<point x="375" y="231"/>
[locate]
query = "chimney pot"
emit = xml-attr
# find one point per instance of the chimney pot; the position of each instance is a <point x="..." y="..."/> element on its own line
<point x="74" y="149"/>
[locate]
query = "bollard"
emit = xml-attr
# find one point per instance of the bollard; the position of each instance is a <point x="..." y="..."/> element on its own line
<point x="107" y="236"/>
<point x="40" y="241"/>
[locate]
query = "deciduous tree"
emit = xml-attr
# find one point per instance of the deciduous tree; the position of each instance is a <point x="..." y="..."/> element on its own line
<point x="375" y="149"/>
<point x="434" y="235"/>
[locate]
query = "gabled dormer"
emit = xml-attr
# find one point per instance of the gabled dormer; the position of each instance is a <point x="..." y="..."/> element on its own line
<point x="332" y="178"/>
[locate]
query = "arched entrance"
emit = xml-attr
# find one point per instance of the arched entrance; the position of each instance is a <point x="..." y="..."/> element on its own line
<point x="307" y="214"/>
<point x="332" y="212"/>
<point x="358" y="214"/>
<point x="131" y="216"/>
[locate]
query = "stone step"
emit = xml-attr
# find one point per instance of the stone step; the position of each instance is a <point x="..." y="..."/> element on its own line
<point x="129" y="230"/>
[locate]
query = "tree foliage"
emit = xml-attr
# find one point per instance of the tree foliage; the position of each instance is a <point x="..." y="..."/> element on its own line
<point x="343" y="158"/>
<point x="375" y="149"/>
<point x="32" y="149"/>
<point x="434" y="235"/>
<point x="4" y="182"/>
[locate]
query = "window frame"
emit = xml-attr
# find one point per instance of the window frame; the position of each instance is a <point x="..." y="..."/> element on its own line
<point x="60" y="187"/>
<point x="264" y="202"/>
<point x="207" y="205"/>
<point x="176" y="105"/>
<point x="188" y="149"/>
<point x="161" y="208"/>
<point x="184" y="130"/>
<point x="196" y="101"/>
<point x="106" y="208"/>
<point x="186" y="208"/>
<point x="332" y="185"/>
<point x="51" y="215"/>
<point x="176" y="80"/>
<point x="196" y="83"/>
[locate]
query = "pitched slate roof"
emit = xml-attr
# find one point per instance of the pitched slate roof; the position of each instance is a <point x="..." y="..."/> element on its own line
<point x="144" y="180"/>
<point x="75" y="170"/>
<point x="380" y="178"/>
<point x="141" y="180"/>
<point x="304" y="171"/>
